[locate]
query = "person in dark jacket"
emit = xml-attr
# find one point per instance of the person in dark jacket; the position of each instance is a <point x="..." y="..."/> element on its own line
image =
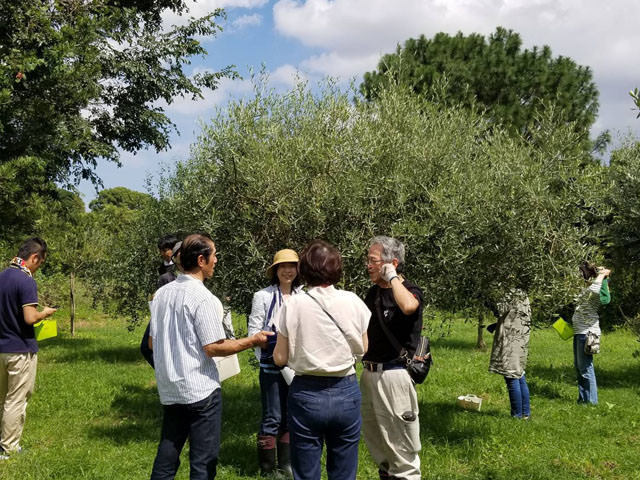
<point x="169" y="248"/>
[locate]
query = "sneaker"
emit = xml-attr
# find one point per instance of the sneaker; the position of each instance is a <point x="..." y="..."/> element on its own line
<point x="4" y="455"/>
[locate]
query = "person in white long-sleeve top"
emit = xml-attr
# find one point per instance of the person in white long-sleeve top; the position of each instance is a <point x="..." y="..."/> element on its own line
<point x="273" y="435"/>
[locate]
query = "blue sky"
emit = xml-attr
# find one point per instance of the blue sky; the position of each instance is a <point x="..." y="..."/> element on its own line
<point x="345" y="38"/>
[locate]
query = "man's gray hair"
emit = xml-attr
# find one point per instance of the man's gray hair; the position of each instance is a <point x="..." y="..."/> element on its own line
<point x="391" y="248"/>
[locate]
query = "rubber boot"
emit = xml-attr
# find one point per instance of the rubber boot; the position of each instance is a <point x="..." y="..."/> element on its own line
<point x="266" y="454"/>
<point x="284" y="456"/>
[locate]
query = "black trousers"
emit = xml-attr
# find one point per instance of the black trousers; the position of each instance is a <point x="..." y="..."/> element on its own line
<point x="200" y="422"/>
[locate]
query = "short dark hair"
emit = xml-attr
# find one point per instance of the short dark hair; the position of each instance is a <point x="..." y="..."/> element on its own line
<point x="31" y="246"/>
<point x="167" y="242"/>
<point x="588" y="270"/>
<point x="192" y="247"/>
<point x="320" y="263"/>
<point x="276" y="281"/>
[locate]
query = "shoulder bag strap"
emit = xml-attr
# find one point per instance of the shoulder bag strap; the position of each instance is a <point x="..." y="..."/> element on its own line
<point x="329" y="315"/>
<point x="336" y="324"/>
<point x="402" y="353"/>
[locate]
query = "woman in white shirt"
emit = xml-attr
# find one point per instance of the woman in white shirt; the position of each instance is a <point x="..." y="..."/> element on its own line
<point x="321" y="335"/>
<point x="273" y="435"/>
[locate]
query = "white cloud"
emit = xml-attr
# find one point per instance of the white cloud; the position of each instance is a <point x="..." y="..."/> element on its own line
<point x="287" y="76"/>
<point x="351" y="33"/>
<point x="340" y="65"/>
<point x="226" y="90"/>
<point x="246" y="21"/>
<point x="200" y="8"/>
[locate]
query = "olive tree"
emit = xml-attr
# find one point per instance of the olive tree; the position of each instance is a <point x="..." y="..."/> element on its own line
<point x="480" y="211"/>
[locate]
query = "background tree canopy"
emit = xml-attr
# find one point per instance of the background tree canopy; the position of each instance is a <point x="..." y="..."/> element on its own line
<point x="119" y="197"/>
<point x="495" y="74"/>
<point x="80" y="80"/>
<point x="480" y="210"/>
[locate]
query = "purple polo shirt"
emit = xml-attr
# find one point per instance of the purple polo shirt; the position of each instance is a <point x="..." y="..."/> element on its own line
<point x="17" y="289"/>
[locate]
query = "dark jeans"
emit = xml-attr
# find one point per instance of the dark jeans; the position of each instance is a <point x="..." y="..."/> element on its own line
<point x="587" y="385"/>
<point x="324" y="410"/>
<point x="200" y="422"/>
<point x="273" y="393"/>
<point x="518" y="396"/>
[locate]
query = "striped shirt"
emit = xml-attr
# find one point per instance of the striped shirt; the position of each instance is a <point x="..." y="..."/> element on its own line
<point x="185" y="316"/>
<point x="585" y="318"/>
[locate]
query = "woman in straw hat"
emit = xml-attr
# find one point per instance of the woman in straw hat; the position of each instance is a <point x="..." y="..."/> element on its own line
<point x="273" y="436"/>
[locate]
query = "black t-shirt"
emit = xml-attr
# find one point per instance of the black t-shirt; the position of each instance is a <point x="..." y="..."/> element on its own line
<point x="406" y="328"/>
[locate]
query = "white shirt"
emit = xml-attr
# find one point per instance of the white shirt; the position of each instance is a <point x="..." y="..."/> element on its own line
<point x="316" y="345"/>
<point x="185" y="316"/>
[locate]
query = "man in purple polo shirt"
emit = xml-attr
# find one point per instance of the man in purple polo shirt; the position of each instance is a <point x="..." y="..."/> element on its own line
<point x="18" y="346"/>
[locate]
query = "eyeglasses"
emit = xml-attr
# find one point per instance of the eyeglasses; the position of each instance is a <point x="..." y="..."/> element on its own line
<point x="368" y="261"/>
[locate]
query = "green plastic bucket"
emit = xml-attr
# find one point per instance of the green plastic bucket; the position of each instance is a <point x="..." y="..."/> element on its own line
<point x="563" y="328"/>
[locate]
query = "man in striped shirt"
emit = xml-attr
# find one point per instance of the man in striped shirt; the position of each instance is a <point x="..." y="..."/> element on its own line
<point x="186" y="331"/>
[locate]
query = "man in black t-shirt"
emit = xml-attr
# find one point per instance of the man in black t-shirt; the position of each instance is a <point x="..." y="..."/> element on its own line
<point x="389" y="401"/>
<point x="18" y="346"/>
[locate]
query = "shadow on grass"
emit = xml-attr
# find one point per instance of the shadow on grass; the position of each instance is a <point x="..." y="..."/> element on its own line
<point x="454" y="343"/>
<point x="91" y="350"/>
<point x="439" y="421"/>
<point x="241" y="411"/>
<point x="606" y="377"/>
<point x="136" y="415"/>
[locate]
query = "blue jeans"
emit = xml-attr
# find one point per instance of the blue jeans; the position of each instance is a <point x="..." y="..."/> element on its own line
<point x="324" y="410"/>
<point x="200" y="422"/>
<point x="518" y="396"/>
<point x="587" y="387"/>
<point x="273" y="393"/>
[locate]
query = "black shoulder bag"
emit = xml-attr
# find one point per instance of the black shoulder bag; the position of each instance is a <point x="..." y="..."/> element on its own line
<point x="417" y="366"/>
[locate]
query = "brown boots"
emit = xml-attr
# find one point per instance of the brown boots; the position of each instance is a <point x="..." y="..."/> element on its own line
<point x="267" y="455"/>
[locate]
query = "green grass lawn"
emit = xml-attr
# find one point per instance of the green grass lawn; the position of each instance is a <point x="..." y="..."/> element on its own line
<point x="95" y="413"/>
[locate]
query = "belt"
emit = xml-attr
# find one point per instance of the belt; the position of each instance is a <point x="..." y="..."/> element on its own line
<point x="379" y="367"/>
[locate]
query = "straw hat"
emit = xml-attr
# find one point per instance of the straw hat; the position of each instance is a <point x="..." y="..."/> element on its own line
<point x="282" y="256"/>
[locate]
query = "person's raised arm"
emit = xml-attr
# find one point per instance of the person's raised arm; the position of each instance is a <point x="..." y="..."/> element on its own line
<point x="406" y="301"/>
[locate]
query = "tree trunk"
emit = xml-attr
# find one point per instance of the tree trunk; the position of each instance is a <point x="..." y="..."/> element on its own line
<point x="480" y="345"/>
<point x="73" y="303"/>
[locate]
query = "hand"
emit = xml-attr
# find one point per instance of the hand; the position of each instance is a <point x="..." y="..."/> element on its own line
<point x="388" y="272"/>
<point x="48" y="311"/>
<point x="260" y="339"/>
<point x="604" y="271"/>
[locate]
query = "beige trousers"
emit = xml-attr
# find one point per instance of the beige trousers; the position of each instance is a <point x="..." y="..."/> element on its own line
<point x="17" y="380"/>
<point x="390" y="423"/>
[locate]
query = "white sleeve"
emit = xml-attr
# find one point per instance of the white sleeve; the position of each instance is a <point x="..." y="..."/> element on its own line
<point x="258" y="314"/>
<point x="595" y="287"/>
<point x="208" y="321"/>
